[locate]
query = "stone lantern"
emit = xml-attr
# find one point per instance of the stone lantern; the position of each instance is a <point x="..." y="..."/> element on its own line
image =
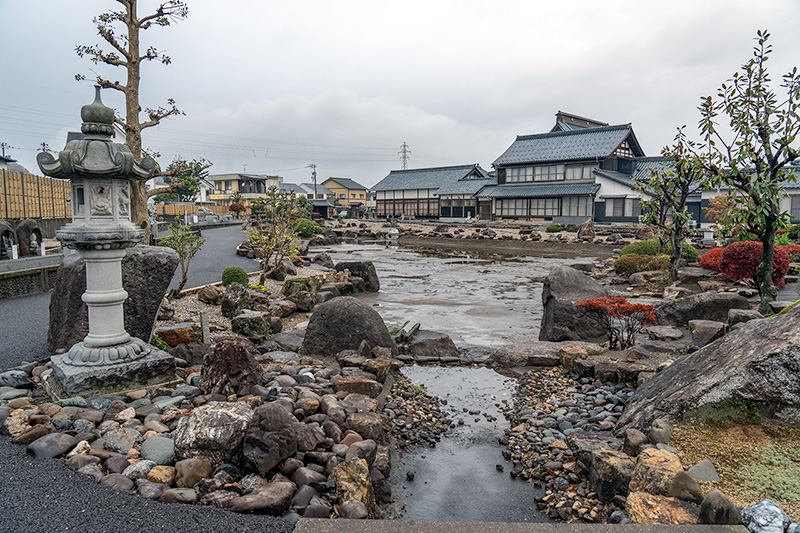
<point x="100" y="172"/>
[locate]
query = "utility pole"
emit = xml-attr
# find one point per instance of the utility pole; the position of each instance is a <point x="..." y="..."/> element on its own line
<point x="3" y="147"/>
<point x="44" y="147"/>
<point x="313" y="168"/>
<point x="405" y="153"/>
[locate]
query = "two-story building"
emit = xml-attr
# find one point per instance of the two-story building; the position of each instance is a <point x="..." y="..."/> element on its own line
<point x="348" y="192"/>
<point x="580" y="169"/>
<point x="250" y="186"/>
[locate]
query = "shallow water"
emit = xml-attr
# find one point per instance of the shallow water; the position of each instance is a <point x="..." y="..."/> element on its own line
<point x="477" y="302"/>
<point x="458" y="479"/>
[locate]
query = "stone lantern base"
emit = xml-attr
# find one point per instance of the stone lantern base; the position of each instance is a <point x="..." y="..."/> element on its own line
<point x="74" y="371"/>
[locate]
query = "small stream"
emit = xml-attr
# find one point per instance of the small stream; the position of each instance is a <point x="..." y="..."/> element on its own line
<point x="482" y="304"/>
<point x="458" y="480"/>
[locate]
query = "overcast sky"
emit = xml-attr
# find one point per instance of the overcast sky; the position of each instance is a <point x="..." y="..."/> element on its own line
<point x="273" y="86"/>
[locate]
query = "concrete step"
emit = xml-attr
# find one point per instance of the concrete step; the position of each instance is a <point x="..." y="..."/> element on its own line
<point x="316" y="525"/>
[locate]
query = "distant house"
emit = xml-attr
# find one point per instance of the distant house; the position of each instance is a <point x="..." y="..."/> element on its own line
<point x="348" y="192"/>
<point x="250" y="186"/>
<point x="317" y="192"/>
<point x="418" y="192"/>
<point x="292" y="189"/>
<point x="581" y="169"/>
<point x="5" y="162"/>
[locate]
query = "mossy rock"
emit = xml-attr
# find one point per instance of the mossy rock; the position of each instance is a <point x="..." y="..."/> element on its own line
<point x="292" y="286"/>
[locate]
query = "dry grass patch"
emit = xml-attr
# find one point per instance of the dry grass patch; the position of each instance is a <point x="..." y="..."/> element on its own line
<point x="754" y="461"/>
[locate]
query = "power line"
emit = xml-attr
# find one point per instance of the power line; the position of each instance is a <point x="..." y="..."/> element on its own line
<point x="405" y="153"/>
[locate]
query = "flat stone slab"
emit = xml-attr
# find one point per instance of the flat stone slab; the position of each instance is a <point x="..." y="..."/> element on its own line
<point x="72" y="379"/>
<point x="321" y="525"/>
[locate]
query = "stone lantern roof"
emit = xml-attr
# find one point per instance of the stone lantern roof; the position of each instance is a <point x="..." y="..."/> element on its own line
<point x="96" y="156"/>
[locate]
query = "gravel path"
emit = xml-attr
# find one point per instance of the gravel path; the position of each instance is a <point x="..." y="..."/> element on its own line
<point x="45" y="495"/>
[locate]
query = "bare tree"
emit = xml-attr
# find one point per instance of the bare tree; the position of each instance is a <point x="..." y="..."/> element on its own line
<point x="126" y="52"/>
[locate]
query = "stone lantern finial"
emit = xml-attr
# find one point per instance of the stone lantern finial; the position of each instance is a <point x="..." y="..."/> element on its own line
<point x="98" y="118"/>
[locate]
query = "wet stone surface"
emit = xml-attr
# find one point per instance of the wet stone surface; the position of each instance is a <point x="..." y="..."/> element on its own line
<point x="463" y="476"/>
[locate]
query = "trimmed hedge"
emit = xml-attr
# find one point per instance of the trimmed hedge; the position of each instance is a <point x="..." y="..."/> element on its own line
<point x="712" y="260"/>
<point x="628" y="264"/>
<point x="306" y="228"/>
<point x="740" y="260"/>
<point x="794" y="232"/>
<point x="237" y="274"/>
<point x="554" y="228"/>
<point x="650" y="247"/>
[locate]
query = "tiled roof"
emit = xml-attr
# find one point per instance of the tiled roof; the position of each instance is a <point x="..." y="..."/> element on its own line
<point x="320" y="189"/>
<point x="291" y="187"/>
<point x="619" y="177"/>
<point x="585" y="143"/>
<point x="528" y="190"/>
<point x="465" y="186"/>
<point x="347" y="183"/>
<point x="425" y="178"/>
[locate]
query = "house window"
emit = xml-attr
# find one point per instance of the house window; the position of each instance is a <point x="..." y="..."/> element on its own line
<point x="579" y="172"/>
<point x="519" y="174"/>
<point x="352" y="195"/>
<point x="795" y="212"/>
<point x="545" y="207"/>
<point x="218" y="185"/>
<point x="576" y="206"/>
<point x="342" y="196"/>
<point x="361" y="196"/>
<point x="228" y="186"/>
<point x="633" y="207"/>
<point x="513" y="208"/>
<point x="549" y="173"/>
<point x="615" y="207"/>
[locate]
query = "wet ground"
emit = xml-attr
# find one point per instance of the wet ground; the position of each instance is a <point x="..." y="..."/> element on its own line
<point x="458" y="480"/>
<point x="478" y="302"/>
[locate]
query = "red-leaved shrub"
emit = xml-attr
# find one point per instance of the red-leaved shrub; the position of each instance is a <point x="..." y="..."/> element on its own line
<point x="621" y="319"/>
<point x="712" y="260"/>
<point x="740" y="261"/>
<point x="793" y="250"/>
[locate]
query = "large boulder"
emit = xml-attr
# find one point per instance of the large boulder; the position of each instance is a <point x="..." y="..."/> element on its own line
<point x="230" y="367"/>
<point x="146" y="274"/>
<point x="213" y="431"/>
<point x="703" y="306"/>
<point x="364" y="270"/>
<point x="561" y="320"/>
<point x="756" y="366"/>
<point x="430" y="344"/>
<point x="342" y="324"/>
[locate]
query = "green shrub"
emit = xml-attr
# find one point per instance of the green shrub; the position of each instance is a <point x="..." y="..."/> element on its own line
<point x="782" y="239"/>
<point x="159" y="343"/>
<point x="554" y="228"/>
<point x="237" y="274"/>
<point x="650" y="247"/>
<point x="628" y="264"/>
<point x="794" y="232"/>
<point x="306" y="228"/>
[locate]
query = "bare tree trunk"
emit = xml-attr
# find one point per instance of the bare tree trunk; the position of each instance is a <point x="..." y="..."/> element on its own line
<point x="766" y="287"/>
<point x="675" y="257"/>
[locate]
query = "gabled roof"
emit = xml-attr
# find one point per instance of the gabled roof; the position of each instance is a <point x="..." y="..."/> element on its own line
<point x="570" y="122"/>
<point x="320" y="189"/>
<point x="527" y="190"/>
<point x="427" y="178"/>
<point x="291" y="187"/>
<point x="619" y="177"/>
<point x="347" y="183"/>
<point x="562" y="146"/>
<point x="7" y="159"/>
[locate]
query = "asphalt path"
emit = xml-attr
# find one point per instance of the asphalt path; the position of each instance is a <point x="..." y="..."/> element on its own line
<point x="46" y="495"/>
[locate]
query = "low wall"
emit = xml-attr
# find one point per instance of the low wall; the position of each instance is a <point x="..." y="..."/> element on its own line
<point x="28" y="275"/>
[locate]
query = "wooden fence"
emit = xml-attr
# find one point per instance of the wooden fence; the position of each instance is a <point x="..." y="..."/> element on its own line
<point x="180" y="209"/>
<point x="30" y="196"/>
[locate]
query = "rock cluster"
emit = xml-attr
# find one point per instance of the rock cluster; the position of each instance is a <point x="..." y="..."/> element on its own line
<point x="305" y="439"/>
<point x="416" y="416"/>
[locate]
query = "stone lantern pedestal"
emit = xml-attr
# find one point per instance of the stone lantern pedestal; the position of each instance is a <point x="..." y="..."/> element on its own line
<point x="100" y="172"/>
